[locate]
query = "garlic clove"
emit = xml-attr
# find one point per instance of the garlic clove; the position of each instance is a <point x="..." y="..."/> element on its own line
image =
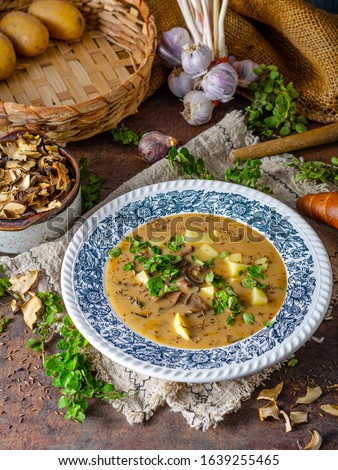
<point x="220" y="83"/>
<point x="196" y="58"/>
<point x="170" y="45"/>
<point x="198" y="108"/>
<point x="180" y="82"/>
<point x="245" y="71"/>
<point x="154" y="146"/>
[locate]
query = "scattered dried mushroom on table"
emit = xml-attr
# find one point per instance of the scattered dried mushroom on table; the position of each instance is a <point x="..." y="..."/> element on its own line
<point x="34" y="177"/>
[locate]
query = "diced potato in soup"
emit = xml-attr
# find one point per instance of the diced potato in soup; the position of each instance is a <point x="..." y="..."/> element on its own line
<point x="196" y="288"/>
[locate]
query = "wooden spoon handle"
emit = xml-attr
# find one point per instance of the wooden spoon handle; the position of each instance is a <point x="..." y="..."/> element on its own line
<point x="318" y="136"/>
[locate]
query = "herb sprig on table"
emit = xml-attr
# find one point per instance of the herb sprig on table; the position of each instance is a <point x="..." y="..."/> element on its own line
<point x="188" y="164"/>
<point x="315" y="170"/>
<point x="3" y="323"/>
<point x="70" y="367"/>
<point x="125" y="136"/>
<point x="274" y="106"/>
<point x="246" y="173"/>
<point x="90" y="187"/>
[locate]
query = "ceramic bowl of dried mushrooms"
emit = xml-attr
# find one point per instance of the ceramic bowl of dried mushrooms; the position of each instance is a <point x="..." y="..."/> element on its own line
<point x="40" y="195"/>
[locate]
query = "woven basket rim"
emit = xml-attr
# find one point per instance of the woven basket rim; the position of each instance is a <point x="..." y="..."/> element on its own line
<point x="9" y="109"/>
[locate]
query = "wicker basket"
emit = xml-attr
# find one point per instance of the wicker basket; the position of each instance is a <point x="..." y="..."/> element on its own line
<point x="75" y="90"/>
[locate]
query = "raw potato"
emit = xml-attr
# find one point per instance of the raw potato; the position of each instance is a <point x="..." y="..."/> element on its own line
<point x="28" y="34"/>
<point x="62" y="19"/>
<point x="7" y="57"/>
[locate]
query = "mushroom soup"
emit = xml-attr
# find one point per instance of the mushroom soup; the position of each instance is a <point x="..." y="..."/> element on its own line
<point x="195" y="281"/>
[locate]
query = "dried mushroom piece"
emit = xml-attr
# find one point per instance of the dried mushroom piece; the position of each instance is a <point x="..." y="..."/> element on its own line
<point x="271" y="410"/>
<point x="288" y="425"/>
<point x="23" y="283"/>
<point x="30" y="310"/>
<point x="298" y="417"/>
<point x="331" y="409"/>
<point x="316" y="440"/>
<point x="271" y="393"/>
<point x="312" y="394"/>
<point x="34" y="177"/>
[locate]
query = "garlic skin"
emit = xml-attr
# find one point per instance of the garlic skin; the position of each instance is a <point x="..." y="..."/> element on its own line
<point x="198" y="108"/>
<point x="169" y="47"/>
<point x="220" y="83"/>
<point x="196" y="58"/>
<point x="245" y="71"/>
<point x="154" y="146"/>
<point x="180" y="82"/>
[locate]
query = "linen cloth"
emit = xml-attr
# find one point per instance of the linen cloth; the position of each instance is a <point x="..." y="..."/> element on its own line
<point x="203" y="405"/>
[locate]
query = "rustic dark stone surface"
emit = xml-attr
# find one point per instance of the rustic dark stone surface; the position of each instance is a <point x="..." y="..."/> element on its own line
<point x="29" y="416"/>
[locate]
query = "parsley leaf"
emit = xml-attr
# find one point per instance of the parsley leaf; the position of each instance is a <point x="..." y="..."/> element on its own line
<point x="91" y="188"/>
<point x="125" y="136"/>
<point x="246" y="173"/>
<point x="115" y="252"/>
<point x="189" y="165"/>
<point x="249" y="318"/>
<point x="315" y="170"/>
<point x="3" y="323"/>
<point x="175" y="243"/>
<point x="274" y="106"/>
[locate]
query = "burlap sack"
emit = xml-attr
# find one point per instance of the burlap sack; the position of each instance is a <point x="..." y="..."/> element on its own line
<point x="299" y="38"/>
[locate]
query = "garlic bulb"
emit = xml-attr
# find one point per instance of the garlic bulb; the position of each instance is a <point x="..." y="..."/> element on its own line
<point x="154" y="145"/>
<point x="170" y="46"/>
<point x="197" y="108"/>
<point x="196" y="58"/>
<point x="180" y="82"/>
<point x="245" y="71"/>
<point x="220" y="83"/>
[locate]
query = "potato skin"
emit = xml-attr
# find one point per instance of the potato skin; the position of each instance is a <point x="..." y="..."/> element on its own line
<point x="7" y="57"/>
<point x="28" y="34"/>
<point x="62" y="19"/>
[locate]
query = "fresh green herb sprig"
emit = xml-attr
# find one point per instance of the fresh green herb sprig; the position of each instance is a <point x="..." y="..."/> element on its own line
<point x="315" y="170"/>
<point x="125" y="136"/>
<point x="74" y="374"/>
<point x="5" y="283"/>
<point x="253" y="274"/>
<point x="176" y="243"/>
<point x="91" y="186"/>
<point x="188" y="164"/>
<point x="249" y="318"/>
<point x="71" y="369"/>
<point x="274" y="106"/>
<point x="247" y="173"/>
<point x="226" y="300"/>
<point x="3" y="323"/>
<point x="51" y="305"/>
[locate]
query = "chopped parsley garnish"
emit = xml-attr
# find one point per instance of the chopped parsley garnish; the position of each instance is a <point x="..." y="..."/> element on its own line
<point x="128" y="266"/>
<point x="115" y="252"/>
<point x="251" y="281"/>
<point x="249" y="318"/>
<point x="175" y="243"/>
<point x="209" y="277"/>
<point x="226" y="300"/>
<point x="157" y="287"/>
<point x="223" y="254"/>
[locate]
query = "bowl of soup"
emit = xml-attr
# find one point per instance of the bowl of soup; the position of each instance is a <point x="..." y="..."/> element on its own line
<point x="196" y="281"/>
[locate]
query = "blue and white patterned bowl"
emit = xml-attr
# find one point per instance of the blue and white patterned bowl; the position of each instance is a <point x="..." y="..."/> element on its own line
<point x="307" y="298"/>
